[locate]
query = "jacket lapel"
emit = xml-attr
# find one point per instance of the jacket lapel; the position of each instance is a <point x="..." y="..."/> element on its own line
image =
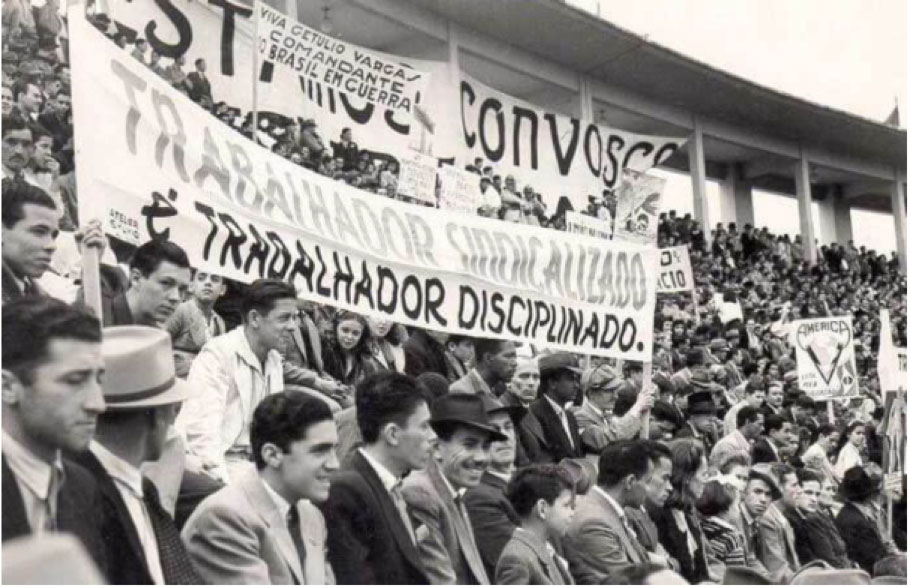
<point x="462" y="527"/>
<point x="615" y="521"/>
<point x="389" y="512"/>
<point x="109" y="491"/>
<point x="553" y="423"/>
<point x="15" y="521"/>
<point x="263" y="504"/>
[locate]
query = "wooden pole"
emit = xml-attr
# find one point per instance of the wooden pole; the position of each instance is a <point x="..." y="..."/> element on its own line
<point x="830" y="412"/>
<point x="256" y="9"/>
<point x="646" y="415"/>
<point x="91" y="280"/>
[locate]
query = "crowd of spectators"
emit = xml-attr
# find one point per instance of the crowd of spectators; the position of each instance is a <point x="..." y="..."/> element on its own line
<point x="740" y="470"/>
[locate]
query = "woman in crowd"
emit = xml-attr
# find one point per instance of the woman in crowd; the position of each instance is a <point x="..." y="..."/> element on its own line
<point x="384" y="344"/>
<point x="853" y="442"/>
<point x="345" y="354"/>
<point x="733" y="473"/>
<point x="677" y="521"/>
<point x="717" y="506"/>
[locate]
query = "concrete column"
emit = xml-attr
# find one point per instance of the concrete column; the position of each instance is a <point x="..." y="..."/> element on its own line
<point x="736" y="198"/>
<point x="827" y="229"/>
<point x="586" y="100"/>
<point x="804" y="199"/>
<point x="697" y="172"/>
<point x="843" y="224"/>
<point x="899" y="210"/>
<point x="727" y="197"/>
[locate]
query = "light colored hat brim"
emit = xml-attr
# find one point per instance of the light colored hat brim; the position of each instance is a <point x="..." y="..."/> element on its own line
<point x="179" y="392"/>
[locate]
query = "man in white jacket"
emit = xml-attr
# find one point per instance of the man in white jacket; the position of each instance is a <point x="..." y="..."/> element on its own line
<point x="231" y="375"/>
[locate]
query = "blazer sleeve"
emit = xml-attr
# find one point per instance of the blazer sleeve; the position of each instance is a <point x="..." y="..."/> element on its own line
<point x="774" y="550"/>
<point x="210" y="381"/>
<point x="426" y="516"/>
<point x="513" y="570"/>
<point x="224" y="548"/>
<point x="346" y="538"/>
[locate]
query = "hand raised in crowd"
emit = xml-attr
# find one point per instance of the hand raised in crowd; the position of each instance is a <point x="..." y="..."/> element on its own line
<point x="91" y="235"/>
<point x="645" y="400"/>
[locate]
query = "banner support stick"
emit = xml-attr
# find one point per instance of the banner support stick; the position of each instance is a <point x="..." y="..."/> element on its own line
<point x="256" y="73"/>
<point x="830" y="412"/>
<point x="646" y="415"/>
<point x="91" y="280"/>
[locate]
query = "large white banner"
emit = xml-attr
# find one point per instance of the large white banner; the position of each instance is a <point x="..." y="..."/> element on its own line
<point x="243" y="212"/>
<point x="583" y="224"/>
<point x="556" y="154"/>
<point x="675" y="270"/>
<point x="638" y="207"/>
<point x="378" y="78"/>
<point x="892" y="361"/>
<point x="825" y="358"/>
<point x="221" y="33"/>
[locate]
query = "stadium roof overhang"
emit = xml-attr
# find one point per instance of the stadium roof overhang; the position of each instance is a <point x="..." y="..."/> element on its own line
<point x="572" y="38"/>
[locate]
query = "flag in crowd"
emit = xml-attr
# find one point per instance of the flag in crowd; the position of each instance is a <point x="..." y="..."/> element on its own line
<point x="294" y="328"/>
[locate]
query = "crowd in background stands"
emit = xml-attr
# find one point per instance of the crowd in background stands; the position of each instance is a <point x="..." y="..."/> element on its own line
<point x="742" y="469"/>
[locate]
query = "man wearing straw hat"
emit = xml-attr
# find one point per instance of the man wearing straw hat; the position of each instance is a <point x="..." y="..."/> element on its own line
<point x="143" y="396"/>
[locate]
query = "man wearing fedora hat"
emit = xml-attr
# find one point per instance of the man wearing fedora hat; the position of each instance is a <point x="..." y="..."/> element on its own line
<point x="142" y="395"/>
<point x="52" y="365"/>
<point x="263" y="527"/>
<point x="857" y="521"/>
<point x="559" y="385"/>
<point x="435" y="496"/>
<point x="492" y="517"/>
<point x="702" y="421"/>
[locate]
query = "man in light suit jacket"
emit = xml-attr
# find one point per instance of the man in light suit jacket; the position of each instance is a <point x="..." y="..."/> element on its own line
<point x="231" y="375"/>
<point x="600" y="538"/>
<point x="778" y="553"/>
<point x="262" y="528"/>
<point x="596" y="421"/>
<point x="435" y="496"/>
<point x="544" y="498"/>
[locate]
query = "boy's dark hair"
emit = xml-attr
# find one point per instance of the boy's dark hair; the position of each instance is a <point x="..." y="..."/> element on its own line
<point x="536" y="482"/>
<point x="29" y="325"/>
<point x="262" y="295"/>
<point x="18" y="193"/>
<point x="746" y="415"/>
<point x="386" y="397"/>
<point x="715" y="499"/>
<point x="282" y="419"/>
<point x="152" y="254"/>
<point x="619" y="460"/>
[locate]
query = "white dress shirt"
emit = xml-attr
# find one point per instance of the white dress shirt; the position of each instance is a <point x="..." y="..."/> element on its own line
<point x="39" y="483"/>
<point x="128" y="481"/>
<point x="561" y="413"/>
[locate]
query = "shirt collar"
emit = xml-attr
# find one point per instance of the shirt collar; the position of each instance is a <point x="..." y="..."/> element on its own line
<point x="455" y="494"/>
<point x="504" y="477"/>
<point x="388" y="479"/>
<point x="281" y="504"/>
<point x="475" y="375"/>
<point x="35" y="473"/>
<point x="559" y="410"/>
<point x="118" y="469"/>
<point x="612" y="501"/>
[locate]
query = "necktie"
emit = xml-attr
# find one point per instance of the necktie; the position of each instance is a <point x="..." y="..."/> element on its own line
<point x="401" y="506"/>
<point x="175" y="563"/>
<point x="294" y="529"/>
<point x="29" y="288"/>
<point x="565" y="425"/>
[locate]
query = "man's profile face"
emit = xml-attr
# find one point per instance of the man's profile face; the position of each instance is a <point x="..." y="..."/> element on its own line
<point x="17" y="149"/>
<point x="416" y="438"/>
<point x="775" y="397"/>
<point x="465" y="456"/>
<point x="757" y="498"/>
<point x="7" y="95"/>
<point x="306" y="467"/>
<point x="158" y="294"/>
<point x="30" y="99"/>
<point x="279" y="322"/>
<point x="504" y="362"/>
<point x="29" y="244"/>
<point x="658" y="484"/>
<point x="792" y="491"/>
<point x="43" y="150"/>
<point x="59" y="401"/>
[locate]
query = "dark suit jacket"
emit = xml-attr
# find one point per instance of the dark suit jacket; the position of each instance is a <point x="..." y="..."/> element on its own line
<point x="531" y="438"/>
<point x="78" y="510"/>
<point x="557" y="443"/>
<point x="423" y="354"/>
<point x="492" y="518"/>
<point x="11" y="289"/>
<point x="121" y="540"/>
<point x="762" y="452"/>
<point x="693" y="568"/>
<point x="816" y="537"/>
<point x="199" y="86"/>
<point x="864" y="542"/>
<point x="368" y="542"/>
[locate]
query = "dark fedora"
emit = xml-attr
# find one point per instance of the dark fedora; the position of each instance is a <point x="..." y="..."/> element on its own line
<point x="492" y="406"/>
<point x="858" y="485"/>
<point x="763" y="473"/>
<point x="463" y="409"/>
<point x="563" y="360"/>
<point x="702" y="403"/>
